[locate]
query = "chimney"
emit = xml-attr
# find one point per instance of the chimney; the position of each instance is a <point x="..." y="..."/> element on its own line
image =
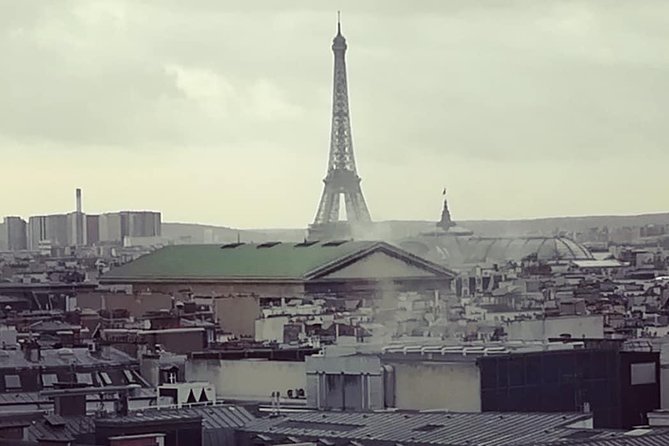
<point x="32" y="351"/>
<point x="121" y="404"/>
<point x="79" y="221"/>
<point x="106" y="350"/>
<point x="78" y="194"/>
<point x="67" y="405"/>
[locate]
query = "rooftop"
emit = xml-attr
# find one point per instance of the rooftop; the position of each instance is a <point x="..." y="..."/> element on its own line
<point x="81" y="356"/>
<point x="214" y="419"/>
<point x="453" y="429"/>
<point x="273" y="260"/>
<point x="480" y="250"/>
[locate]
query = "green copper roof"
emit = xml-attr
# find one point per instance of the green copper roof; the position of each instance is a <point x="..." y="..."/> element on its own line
<point x="265" y="260"/>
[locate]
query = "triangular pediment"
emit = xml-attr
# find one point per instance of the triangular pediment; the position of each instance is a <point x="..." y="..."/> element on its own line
<point x="378" y="265"/>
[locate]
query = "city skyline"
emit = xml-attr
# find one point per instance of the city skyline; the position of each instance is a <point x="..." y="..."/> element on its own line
<point x="159" y="113"/>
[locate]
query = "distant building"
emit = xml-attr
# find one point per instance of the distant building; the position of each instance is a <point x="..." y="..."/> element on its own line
<point x="16" y="235"/>
<point x="52" y="228"/>
<point x="3" y="236"/>
<point x="575" y="327"/>
<point x="114" y="227"/>
<point x="243" y="278"/>
<point x="457" y="247"/>
<point x="76" y="230"/>
<point x="92" y="229"/>
<point x="78" y="224"/>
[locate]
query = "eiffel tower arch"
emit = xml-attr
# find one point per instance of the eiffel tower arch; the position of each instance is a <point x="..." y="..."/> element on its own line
<point x="341" y="182"/>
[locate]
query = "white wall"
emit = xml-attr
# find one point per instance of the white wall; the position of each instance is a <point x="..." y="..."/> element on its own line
<point x="423" y="385"/>
<point x="248" y="379"/>
<point x="270" y="328"/>
<point x="541" y="329"/>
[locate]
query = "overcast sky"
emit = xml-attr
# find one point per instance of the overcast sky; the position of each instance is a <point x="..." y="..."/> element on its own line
<point x="218" y="111"/>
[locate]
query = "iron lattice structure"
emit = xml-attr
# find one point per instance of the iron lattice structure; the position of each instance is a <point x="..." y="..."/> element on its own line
<point x="342" y="177"/>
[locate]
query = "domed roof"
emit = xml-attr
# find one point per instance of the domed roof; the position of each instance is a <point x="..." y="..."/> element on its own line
<point x="455" y="251"/>
<point x="517" y="248"/>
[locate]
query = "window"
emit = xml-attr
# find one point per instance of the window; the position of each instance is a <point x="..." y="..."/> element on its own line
<point x="12" y="382"/>
<point x="106" y="380"/>
<point x="85" y="378"/>
<point x="642" y="373"/>
<point x="49" y="379"/>
<point x="129" y="377"/>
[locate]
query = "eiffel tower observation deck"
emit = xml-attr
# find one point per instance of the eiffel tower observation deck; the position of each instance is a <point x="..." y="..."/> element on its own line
<point x="341" y="181"/>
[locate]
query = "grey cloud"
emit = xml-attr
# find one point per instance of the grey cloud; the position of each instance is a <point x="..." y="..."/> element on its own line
<point x="486" y="79"/>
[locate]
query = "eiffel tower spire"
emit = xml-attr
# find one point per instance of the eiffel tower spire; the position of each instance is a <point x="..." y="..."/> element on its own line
<point x="342" y="178"/>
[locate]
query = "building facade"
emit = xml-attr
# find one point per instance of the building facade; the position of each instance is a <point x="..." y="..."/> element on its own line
<point x="48" y="228"/>
<point x="617" y="387"/>
<point x="114" y="227"/>
<point x="243" y="278"/>
<point x="16" y="233"/>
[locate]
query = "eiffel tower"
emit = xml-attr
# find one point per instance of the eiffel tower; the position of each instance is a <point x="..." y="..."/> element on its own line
<point x="342" y="177"/>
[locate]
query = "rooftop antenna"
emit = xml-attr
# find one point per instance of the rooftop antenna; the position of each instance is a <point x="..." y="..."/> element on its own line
<point x="338" y="22"/>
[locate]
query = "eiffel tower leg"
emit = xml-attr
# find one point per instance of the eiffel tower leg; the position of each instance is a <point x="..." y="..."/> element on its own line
<point x="334" y="208"/>
<point x="328" y="209"/>
<point x="356" y="208"/>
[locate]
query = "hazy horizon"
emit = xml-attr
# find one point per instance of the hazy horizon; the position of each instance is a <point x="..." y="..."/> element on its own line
<point x="219" y="112"/>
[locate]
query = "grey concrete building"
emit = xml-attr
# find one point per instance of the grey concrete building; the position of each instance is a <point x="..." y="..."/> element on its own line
<point x="16" y="236"/>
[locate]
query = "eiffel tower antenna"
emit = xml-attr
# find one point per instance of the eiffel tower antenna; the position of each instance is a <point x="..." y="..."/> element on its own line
<point x="342" y="177"/>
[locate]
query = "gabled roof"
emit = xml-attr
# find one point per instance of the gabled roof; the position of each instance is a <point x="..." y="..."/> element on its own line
<point x="268" y="261"/>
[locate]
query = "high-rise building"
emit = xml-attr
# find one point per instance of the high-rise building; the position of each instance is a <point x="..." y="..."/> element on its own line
<point x="92" y="229"/>
<point x="115" y="226"/>
<point x="52" y="228"/>
<point x="3" y="237"/>
<point x="15" y="229"/>
<point x="144" y="224"/>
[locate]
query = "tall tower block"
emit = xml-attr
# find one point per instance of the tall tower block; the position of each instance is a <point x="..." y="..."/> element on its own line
<point x="342" y="180"/>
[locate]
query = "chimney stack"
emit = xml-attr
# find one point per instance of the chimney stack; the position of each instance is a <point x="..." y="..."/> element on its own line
<point x="78" y="193"/>
<point x="79" y="221"/>
<point x="32" y="351"/>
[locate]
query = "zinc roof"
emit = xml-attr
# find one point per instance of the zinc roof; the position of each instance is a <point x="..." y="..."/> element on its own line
<point x="452" y="429"/>
<point x="69" y="430"/>
<point x="654" y="437"/>
<point x="287" y="261"/>
<point x="217" y="422"/>
<point x="80" y="356"/>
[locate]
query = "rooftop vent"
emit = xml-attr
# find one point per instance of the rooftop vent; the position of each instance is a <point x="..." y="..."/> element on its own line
<point x="428" y="428"/>
<point x="54" y="420"/>
<point x="232" y="245"/>
<point x="335" y="243"/>
<point x="581" y="434"/>
<point x="306" y="244"/>
<point x="268" y="244"/>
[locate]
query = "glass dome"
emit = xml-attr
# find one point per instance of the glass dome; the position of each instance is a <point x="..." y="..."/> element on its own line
<point x="454" y="251"/>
